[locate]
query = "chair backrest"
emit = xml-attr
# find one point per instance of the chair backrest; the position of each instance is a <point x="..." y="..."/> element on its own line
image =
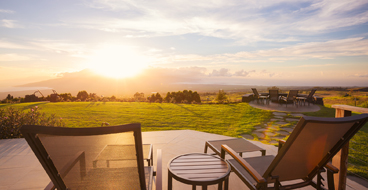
<point x="313" y="142"/>
<point x="292" y="94"/>
<point x="310" y="95"/>
<point x="274" y="95"/>
<point x="78" y="158"/>
<point x="255" y="92"/>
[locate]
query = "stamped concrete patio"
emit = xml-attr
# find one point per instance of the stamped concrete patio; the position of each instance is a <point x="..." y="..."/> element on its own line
<point x="20" y="169"/>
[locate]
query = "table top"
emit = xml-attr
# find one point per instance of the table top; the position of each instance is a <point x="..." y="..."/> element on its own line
<point x="238" y="145"/>
<point x="301" y="98"/>
<point x="198" y="167"/>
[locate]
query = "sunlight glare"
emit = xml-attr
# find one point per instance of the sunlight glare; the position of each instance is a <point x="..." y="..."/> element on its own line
<point x="117" y="62"/>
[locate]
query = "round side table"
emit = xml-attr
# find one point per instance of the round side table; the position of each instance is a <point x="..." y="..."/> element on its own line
<point x="199" y="169"/>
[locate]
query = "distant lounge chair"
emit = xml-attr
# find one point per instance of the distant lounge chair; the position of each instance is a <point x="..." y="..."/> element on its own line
<point x="310" y="98"/>
<point x="290" y="98"/>
<point x="93" y="158"/>
<point x="274" y="95"/>
<point x="307" y="152"/>
<point x="258" y="97"/>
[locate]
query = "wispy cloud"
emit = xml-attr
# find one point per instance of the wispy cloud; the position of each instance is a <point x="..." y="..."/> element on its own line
<point x="321" y="65"/>
<point x="244" y="21"/>
<point x="7" y="11"/>
<point x="310" y="50"/>
<point x="13" y="57"/>
<point x="360" y="75"/>
<point x="9" y="23"/>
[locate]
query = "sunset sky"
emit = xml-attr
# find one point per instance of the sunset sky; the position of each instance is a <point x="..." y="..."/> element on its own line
<point x="308" y="42"/>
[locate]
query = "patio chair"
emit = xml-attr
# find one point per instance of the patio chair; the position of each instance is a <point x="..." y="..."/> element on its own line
<point x="310" y="98"/>
<point x="290" y="97"/>
<point x="306" y="153"/>
<point x="274" y="95"/>
<point x="258" y="97"/>
<point x="86" y="158"/>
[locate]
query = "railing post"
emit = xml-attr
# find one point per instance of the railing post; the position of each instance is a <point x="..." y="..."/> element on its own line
<point x="341" y="158"/>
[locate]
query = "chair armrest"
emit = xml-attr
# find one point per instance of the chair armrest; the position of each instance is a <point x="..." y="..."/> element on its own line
<point x="331" y="168"/>
<point x="281" y="143"/>
<point x="243" y="163"/>
<point x="159" y="170"/>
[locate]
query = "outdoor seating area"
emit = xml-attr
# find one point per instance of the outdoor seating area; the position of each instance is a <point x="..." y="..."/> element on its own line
<point x="89" y="158"/>
<point x="292" y="97"/>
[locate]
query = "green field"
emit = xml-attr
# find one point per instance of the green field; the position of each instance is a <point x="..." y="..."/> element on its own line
<point x="225" y="119"/>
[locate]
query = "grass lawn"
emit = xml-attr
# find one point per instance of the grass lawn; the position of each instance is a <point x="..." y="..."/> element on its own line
<point x="225" y="119"/>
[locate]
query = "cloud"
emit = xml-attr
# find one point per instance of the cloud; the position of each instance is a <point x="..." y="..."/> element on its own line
<point x="9" y="23"/>
<point x="60" y="46"/>
<point x="220" y="73"/>
<point x="14" y="57"/>
<point x="360" y="75"/>
<point x="11" y="45"/>
<point x="243" y="73"/>
<point x="244" y="21"/>
<point x="311" y="50"/>
<point x="321" y="65"/>
<point x="6" y="11"/>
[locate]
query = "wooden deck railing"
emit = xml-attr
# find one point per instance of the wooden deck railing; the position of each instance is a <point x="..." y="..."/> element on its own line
<point x="341" y="159"/>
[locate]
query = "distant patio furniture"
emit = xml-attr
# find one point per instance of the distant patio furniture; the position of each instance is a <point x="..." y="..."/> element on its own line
<point x="305" y="155"/>
<point x="274" y="95"/>
<point x="310" y="98"/>
<point x="300" y="100"/>
<point x="239" y="145"/>
<point x="259" y="97"/>
<point x="93" y="158"/>
<point x="199" y="169"/>
<point x="290" y="98"/>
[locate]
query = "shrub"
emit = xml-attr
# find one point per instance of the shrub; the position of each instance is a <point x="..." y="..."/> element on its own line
<point x="221" y="96"/>
<point x="12" y="119"/>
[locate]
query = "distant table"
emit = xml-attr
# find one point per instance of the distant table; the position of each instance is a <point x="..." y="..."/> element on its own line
<point x="199" y="169"/>
<point x="239" y="145"/>
<point x="301" y="100"/>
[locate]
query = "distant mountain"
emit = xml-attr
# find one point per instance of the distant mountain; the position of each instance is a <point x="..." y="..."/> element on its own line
<point x="147" y="83"/>
<point x="151" y="80"/>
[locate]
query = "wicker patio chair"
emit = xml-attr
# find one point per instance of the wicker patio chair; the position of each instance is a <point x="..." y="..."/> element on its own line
<point x="306" y="153"/>
<point x="259" y="97"/>
<point x="93" y="158"/>
<point x="290" y="97"/>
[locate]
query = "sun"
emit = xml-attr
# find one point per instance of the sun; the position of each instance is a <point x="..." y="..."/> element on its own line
<point x="117" y="61"/>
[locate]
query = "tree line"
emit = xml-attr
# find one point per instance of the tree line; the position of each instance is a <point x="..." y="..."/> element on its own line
<point x="185" y="96"/>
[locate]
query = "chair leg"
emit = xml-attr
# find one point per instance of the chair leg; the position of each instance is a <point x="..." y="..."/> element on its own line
<point x="277" y="183"/>
<point x="330" y="180"/>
